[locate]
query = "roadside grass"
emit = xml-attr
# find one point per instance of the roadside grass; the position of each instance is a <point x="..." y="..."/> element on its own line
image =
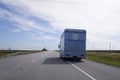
<point x="105" y="57"/>
<point x="5" y="53"/>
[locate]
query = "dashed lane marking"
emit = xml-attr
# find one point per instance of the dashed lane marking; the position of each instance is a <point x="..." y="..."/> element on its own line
<point x="34" y="60"/>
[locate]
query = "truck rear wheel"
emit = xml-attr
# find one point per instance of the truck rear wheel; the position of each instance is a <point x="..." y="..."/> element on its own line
<point x="79" y="59"/>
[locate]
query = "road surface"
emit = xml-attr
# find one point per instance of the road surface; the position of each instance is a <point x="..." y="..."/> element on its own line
<point x="48" y="66"/>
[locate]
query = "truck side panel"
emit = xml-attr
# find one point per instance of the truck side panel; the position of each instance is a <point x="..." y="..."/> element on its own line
<point x="74" y="44"/>
<point x="62" y="43"/>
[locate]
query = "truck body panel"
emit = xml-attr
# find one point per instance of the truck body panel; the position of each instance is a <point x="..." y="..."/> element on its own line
<point x="73" y="43"/>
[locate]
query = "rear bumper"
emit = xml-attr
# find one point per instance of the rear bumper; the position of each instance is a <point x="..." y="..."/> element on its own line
<point x="74" y="56"/>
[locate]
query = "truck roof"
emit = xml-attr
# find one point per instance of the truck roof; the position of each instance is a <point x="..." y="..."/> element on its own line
<point x="74" y="30"/>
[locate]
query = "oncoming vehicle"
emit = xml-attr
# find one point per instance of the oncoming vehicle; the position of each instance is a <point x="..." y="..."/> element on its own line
<point x="73" y="44"/>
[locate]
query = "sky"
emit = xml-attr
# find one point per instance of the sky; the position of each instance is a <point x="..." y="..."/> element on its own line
<point x="35" y="24"/>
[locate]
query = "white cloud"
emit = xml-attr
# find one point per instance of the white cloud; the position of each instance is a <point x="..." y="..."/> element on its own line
<point x="24" y="23"/>
<point x="16" y="30"/>
<point x="99" y="17"/>
<point x="44" y="37"/>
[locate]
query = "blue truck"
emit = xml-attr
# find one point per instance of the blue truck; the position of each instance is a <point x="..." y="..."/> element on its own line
<point x="73" y="44"/>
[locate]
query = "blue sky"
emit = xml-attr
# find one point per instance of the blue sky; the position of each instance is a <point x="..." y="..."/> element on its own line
<point x="35" y="24"/>
<point x="17" y="34"/>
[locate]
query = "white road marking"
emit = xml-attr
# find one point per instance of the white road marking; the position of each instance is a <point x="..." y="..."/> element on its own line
<point x="82" y="71"/>
<point x="34" y="60"/>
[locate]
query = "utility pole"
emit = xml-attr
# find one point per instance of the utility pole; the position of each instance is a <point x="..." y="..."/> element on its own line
<point x="110" y="47"/>
<point x="9" y="48"/>
<point x="93" y="47"/>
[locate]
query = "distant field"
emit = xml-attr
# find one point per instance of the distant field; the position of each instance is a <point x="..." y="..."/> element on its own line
<point x="4" y="53"/>
<point x="105" y="57"/>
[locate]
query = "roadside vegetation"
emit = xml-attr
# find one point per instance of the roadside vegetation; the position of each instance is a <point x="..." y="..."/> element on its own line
<point x="105" y="57"/>
<point x="5" y="53"/>
<point x="44" y="49"/>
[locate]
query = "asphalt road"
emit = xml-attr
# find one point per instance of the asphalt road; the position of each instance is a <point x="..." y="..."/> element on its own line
<point x="48" y="66"/>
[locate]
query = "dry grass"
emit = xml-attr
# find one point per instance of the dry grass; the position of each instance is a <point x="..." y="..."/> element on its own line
<point x="105" y="57"/>
<point x="4" y="53"/>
